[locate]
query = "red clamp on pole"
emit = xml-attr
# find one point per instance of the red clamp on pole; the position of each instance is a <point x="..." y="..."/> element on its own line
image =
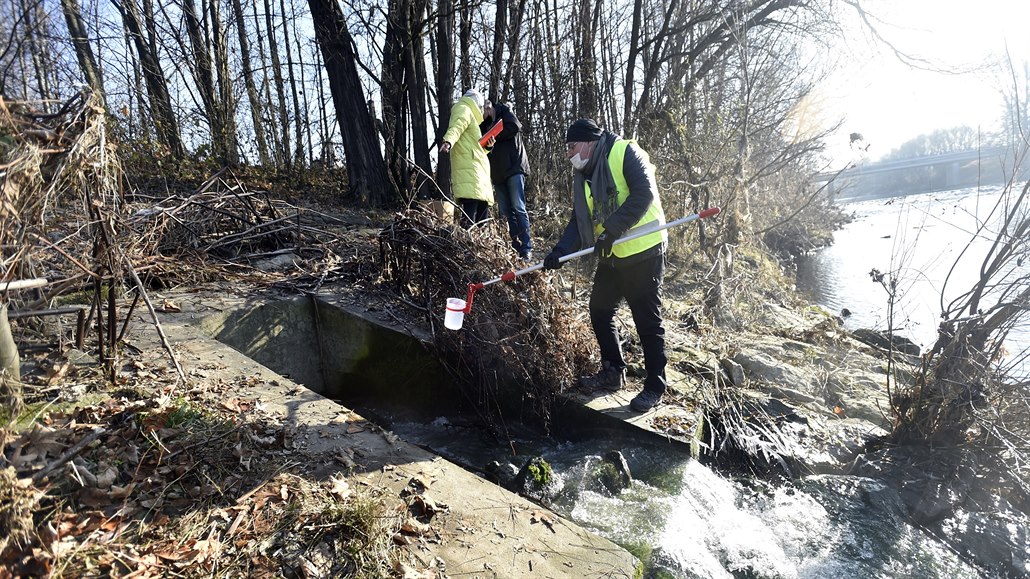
<point x="473" y="287"/>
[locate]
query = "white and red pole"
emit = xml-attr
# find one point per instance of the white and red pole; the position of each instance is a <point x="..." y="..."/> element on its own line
<point x="510" y="275"/>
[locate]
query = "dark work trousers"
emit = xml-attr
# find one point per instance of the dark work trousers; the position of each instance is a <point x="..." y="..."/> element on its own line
<point x="641" y="285"/>
<point x="473" y="211"/>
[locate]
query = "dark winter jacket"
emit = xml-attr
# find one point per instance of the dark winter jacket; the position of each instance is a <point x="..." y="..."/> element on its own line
<point x="643" y="191"/>
<point x="508" y="157"/>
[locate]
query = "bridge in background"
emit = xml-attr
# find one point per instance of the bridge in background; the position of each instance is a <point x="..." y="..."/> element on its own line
<point x="939" y="172"/>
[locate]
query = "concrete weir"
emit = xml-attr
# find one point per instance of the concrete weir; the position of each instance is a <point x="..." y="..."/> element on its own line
<point x="307" y="351"/>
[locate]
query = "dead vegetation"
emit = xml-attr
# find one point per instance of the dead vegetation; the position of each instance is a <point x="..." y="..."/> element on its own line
<point x="138" y="469"/>
<point x="519" y="332"/>
<point x="196" y="485"/>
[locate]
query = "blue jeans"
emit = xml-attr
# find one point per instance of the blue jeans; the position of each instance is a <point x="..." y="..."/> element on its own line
<point x="510" y="196"/>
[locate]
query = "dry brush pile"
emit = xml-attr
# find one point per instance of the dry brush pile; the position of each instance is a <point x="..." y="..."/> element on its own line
<point x="520" y="345"/>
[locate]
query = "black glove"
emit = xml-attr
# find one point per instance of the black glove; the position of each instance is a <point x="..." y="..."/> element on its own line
<point x="603" y="245"/>
<point x="551" y="261"/>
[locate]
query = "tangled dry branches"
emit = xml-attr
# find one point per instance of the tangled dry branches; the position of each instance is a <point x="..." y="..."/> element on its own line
<point x="520" y="344"/>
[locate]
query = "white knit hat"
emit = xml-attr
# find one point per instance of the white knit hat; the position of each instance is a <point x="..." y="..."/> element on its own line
<point x="476" y="97"/>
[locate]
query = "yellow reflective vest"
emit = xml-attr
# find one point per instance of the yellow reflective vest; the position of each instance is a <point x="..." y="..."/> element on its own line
<point x="654" y="217"/>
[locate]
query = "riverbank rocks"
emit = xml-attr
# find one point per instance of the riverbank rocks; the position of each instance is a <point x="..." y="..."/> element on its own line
<point x="886" y="342"/>
<point x="834" y="384"/>
<point x="613" y="472"/>
<point x="951" y="494"/>
<point x="534" y="477"/>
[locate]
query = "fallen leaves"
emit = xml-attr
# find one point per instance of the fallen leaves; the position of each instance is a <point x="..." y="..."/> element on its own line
<point x="57" y="372"/>
<point x="543" y="518"/>
<point x="168" y="306"/>
<point x="339" y="488"/>
<point x="156" y="466"/>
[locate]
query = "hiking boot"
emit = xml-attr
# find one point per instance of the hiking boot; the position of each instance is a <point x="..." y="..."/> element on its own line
<point x="526" y="255"/>
<point x="646" y="400"/>
<point x="609" y="378"/>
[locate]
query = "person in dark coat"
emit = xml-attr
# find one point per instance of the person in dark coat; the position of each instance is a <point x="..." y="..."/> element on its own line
<point x="509" y="168"/>
<point x="614" y="194"/>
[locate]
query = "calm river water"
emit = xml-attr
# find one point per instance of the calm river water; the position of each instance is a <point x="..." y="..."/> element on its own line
<point x="919" y="237"/>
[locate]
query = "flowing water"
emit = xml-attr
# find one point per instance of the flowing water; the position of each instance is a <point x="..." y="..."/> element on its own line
<point x="919" y="238"/>
<point x="691" y="522"/>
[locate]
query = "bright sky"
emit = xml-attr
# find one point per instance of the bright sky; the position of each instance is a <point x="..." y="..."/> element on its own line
<point x="890" y="103"/>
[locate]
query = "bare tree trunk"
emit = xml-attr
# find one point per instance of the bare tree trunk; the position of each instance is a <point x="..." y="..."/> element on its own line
<point x="653" y="62"/>
<point x="83" y="50"/>
<point x="284" y="153"/>
<point x="227" y="96"/>
<point x="248" y="80"/>
<point x="628" y="125"/>
<point x="444" y="86"/>
<point x="554" y="61"/>
<point x="265" y="94"/>
<point x="202" y="70"/>
<point x="137" y="102"/>
<point x="366" y="169"/>
<point x="497" y="52"/>
<point x="398" y="38"/>
<point x="514" y="65"/>
<point x="464" y="42"/>
<point x="39" y="54"/>
<point x="10" y="368"/>
<point x="586" y="62"/>
<point x="415" y="70"/>
<point x="328" y="152"/>
<point x="305" y="121"/>
<point x="160" y="102"/>
<point x="739" y="221"/>
<point x="298" y="154"/>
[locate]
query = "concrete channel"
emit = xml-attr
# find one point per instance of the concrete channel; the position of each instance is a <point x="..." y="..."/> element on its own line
<point x="311" y="352"/>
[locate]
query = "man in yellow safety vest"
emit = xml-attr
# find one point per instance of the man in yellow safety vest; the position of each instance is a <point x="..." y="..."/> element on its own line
<point x="615" y="193"/>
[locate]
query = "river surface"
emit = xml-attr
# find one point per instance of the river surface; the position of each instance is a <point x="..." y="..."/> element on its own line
<point x="919" y="238"/>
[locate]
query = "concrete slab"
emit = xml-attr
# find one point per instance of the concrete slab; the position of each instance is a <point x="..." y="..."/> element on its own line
<point x="485" y="531"/>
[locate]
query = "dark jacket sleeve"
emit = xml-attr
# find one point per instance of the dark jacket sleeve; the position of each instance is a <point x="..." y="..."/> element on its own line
<point x="569" y="240"/>
<point x="508" y="156"/>
<point x="643" y="189"/>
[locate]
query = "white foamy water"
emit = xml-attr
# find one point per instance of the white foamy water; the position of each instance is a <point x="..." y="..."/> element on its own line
<point x="824" y="527"/>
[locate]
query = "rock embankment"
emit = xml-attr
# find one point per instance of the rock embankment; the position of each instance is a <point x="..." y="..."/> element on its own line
<point x="822" y="392"/>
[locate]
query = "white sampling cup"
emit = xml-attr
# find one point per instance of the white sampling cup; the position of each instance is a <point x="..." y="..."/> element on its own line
<point x="455" y="315"/>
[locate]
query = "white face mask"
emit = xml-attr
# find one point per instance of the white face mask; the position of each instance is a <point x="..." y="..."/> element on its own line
<point x="578" y="162"/>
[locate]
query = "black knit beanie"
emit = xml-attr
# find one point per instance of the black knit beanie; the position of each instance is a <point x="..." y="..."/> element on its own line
<point x="583" y="130"/>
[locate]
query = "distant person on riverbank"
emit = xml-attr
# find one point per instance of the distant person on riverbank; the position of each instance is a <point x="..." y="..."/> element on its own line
<point x="615" y="191"/>
<point x="470" y="169"/>
<point x="509" y="168"/>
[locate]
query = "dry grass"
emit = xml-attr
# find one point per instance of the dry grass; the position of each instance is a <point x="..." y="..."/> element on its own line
<point x="199" y="485"/>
